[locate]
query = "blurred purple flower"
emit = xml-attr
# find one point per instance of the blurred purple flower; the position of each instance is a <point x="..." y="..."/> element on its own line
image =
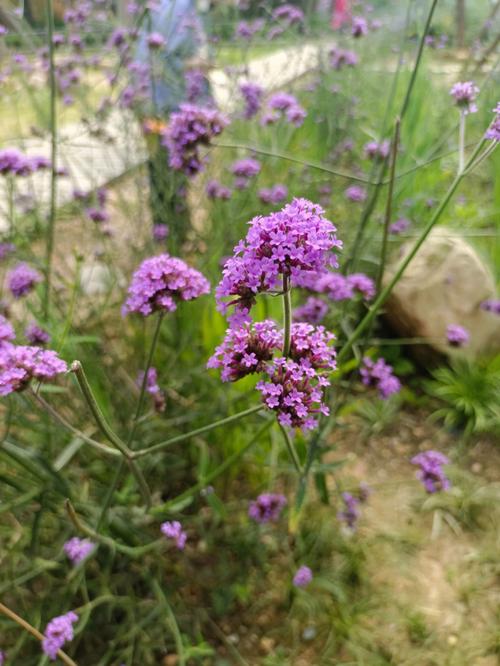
<point x="58" y="632"/>
<point x="36" y="336"/>
<point x="380" y="374"/>
<point x="78" y="550"/>
<point x="457" y="336"/>
<point x="465" y="94"/>
<point x="267" y="507"/>
<point x="303" y="576"/>
<point x="431" y="472"/>
<point x="21" y="280"/>
<point x="173" y="530"/>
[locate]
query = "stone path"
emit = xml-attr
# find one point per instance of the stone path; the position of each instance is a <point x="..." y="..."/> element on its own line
<point x="93" y="160"/>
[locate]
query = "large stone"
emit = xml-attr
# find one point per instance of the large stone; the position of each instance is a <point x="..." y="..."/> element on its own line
<point x="445" y="283"/>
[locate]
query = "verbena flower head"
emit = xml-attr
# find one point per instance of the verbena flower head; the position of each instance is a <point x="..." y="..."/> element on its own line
<point x="465" y="94"/>
<point x="380" y="374"/>
<point x="493" y="131"/>
<point x="156" y="41"/>
<point x="273" y="195"/>
<point x="361" y="283"/>
<point x="246" y="350"/>
<point x="289" y="13"/>
<point x="22" y="279"/>
<point x="399" y="226"/>
<point x="78" y="550"/>
<point x="267" y="507"/>
<point x="457" y="336"/>
<point x="173" y="530"/>
<point x="359" y="26"/>
<point x="303" y="576"/>
<point x="340" y="58"/>
<point x="216" y="190"/>
<point x="152" y="387"/>
<point x="160" y="232"/>
<point x="160" y="282"/>
<point x="36" y="336"/>
<point x="6" y="331"/>
<point x="189" y="128"/>
<point x="350" y="512"/>
<point x="291" y="242"/>
<point x="295" y="392"/>
<point x="6" y="249"/>
<point x="20" y="364"/>
<point x="431" y="472"/>
<point x="491" y="305"/>
<point x="313" y="311"/>
<point x="196" y="83"/>
<point x="286" y="104"/>
<point x="356" y="193"/>
<point x="311" y="346"/>
<point x="377" y="151"/>
<point x="58" y="632"/>
<point x="243" y="170"/>
<point x="252" y="94"/>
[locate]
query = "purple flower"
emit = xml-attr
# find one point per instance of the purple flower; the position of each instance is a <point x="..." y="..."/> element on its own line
<point x="6" y="249"/>
<point x="289" y="13"/>
<point x="340" y="58"/>
<point x="173" y="530"/>
<point x="252" y="94"/>
<point x="295" y="392"/>
<point x="36" y="336"/>
<point x="431" y="472"/>
<point x="457" y="336"/>
<point x="267" y="507"/>
<point x="58" y="632"/>
<point x="97" y="215"/>
<point x="22" y="279"/>
<point x="465" y="95"/>
<point x="216" y="190"/>
<point x="356" y="193"/>
<point x="153" y="388"/>
<point x="493" y="131"/>
<point x="156" y="40"/>
<point x="286" y="104"/>
<point x="160" y="282"/>
<point x="6" y="331"/>
<point x="19" y="364"/>
<point x="189" y="128"/>
<point x="78" y="550"/>
<point x="350" y="513"/>
<point x="291" y="242"/>
<point x="359" y="26"/>
<point x="399" y="226"/>
<point x="160" y="232"/>
<point x="377" y="151"/>
<point x="247" y="29"/>
<point x="491" y="305"/>
<point x="363" y="284"/>
<point x="303" y="576"/>
<point x="196" y="83"/>
<point x="312" y="347"/>
<point x="3" y="30"/>
<point x="246" y="350"/>
<point x="244" y="170"/>
<point x="313" y="311"/>
<point x="380" y="375"/>
<point x="274" y="195"/>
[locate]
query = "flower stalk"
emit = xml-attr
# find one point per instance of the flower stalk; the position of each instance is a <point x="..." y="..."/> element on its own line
<point x="287" y="316"/>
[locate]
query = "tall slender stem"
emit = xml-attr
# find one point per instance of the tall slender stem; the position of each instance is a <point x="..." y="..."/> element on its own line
<point x="34" y="632"/>
<point x="461" y="143"/>
<point x="53" y="157"/>
<point x="388" y="208"/>
<point x="287" y="316"/>
<point x="291" y="449"/>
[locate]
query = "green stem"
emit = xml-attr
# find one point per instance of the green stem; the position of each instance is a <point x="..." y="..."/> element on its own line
<point x="211" y="476"/>
<point x="287" y="316"/>
<point x="291" y="449"/>
<point x="53" y="156"/>
<point x="34" y="632"/>
<point x="193" y="433"/>
<point x="77" y="369"/>
<point x="461" y="143"/>
<point x="174" y="627"/>
<point x="388" y="209"/>
<point x="378" y="302"/>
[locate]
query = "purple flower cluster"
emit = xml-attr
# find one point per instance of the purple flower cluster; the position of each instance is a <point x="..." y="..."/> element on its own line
<point x="303" y="576"/>
<point x="189" y="128"/>
<point x="78" y="550"/>
<point x="196" y="84"/>
<point x="6" y="249"/>
<point x="380" y="375"/>
<point x="340" y="58"/>
<point x="356" y="193"/>
<point x="338" y="287"/>
<point x="173" y="530"/>
<point x="246" y="350"/>
<point x="295" y="392"/>
<point x="22" y="279"/>
<point x="247" y="29"/>
<point x="216" y="190"/>
<point x="267" y="507"/>
<point x="377" y="151"/>
<point x="312" y="347"/>
<point x="288" y="13"/>
<point x="491" y="305"/>
<point x="273" y="195"/>
<point x="465" y="94"/>
<point x="359" y="26"/>
<point x="15" y="163"/>
<point x="160" y="282"/>
<point x="288" y="243"/>
<point x="457" y="336"/>
<point x="156" y="41"/>
<point x="6" y="331"/>
<point x="313" y="311"/>
<point x="350" y="512"/>
<point x="58" y="632"/>
<point x="36" y="336"/>
<point x="280" y="104"/>
<point x="252" y="94"/>
<point x="160" y="232"/>
<point x="244" y="170"/>
<point x="431" y="472"/>
<point x="493" y="131"/>
<point x="153" y="388"/>
<point x="20" y="364"/>
<point x="399" y="226"/>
